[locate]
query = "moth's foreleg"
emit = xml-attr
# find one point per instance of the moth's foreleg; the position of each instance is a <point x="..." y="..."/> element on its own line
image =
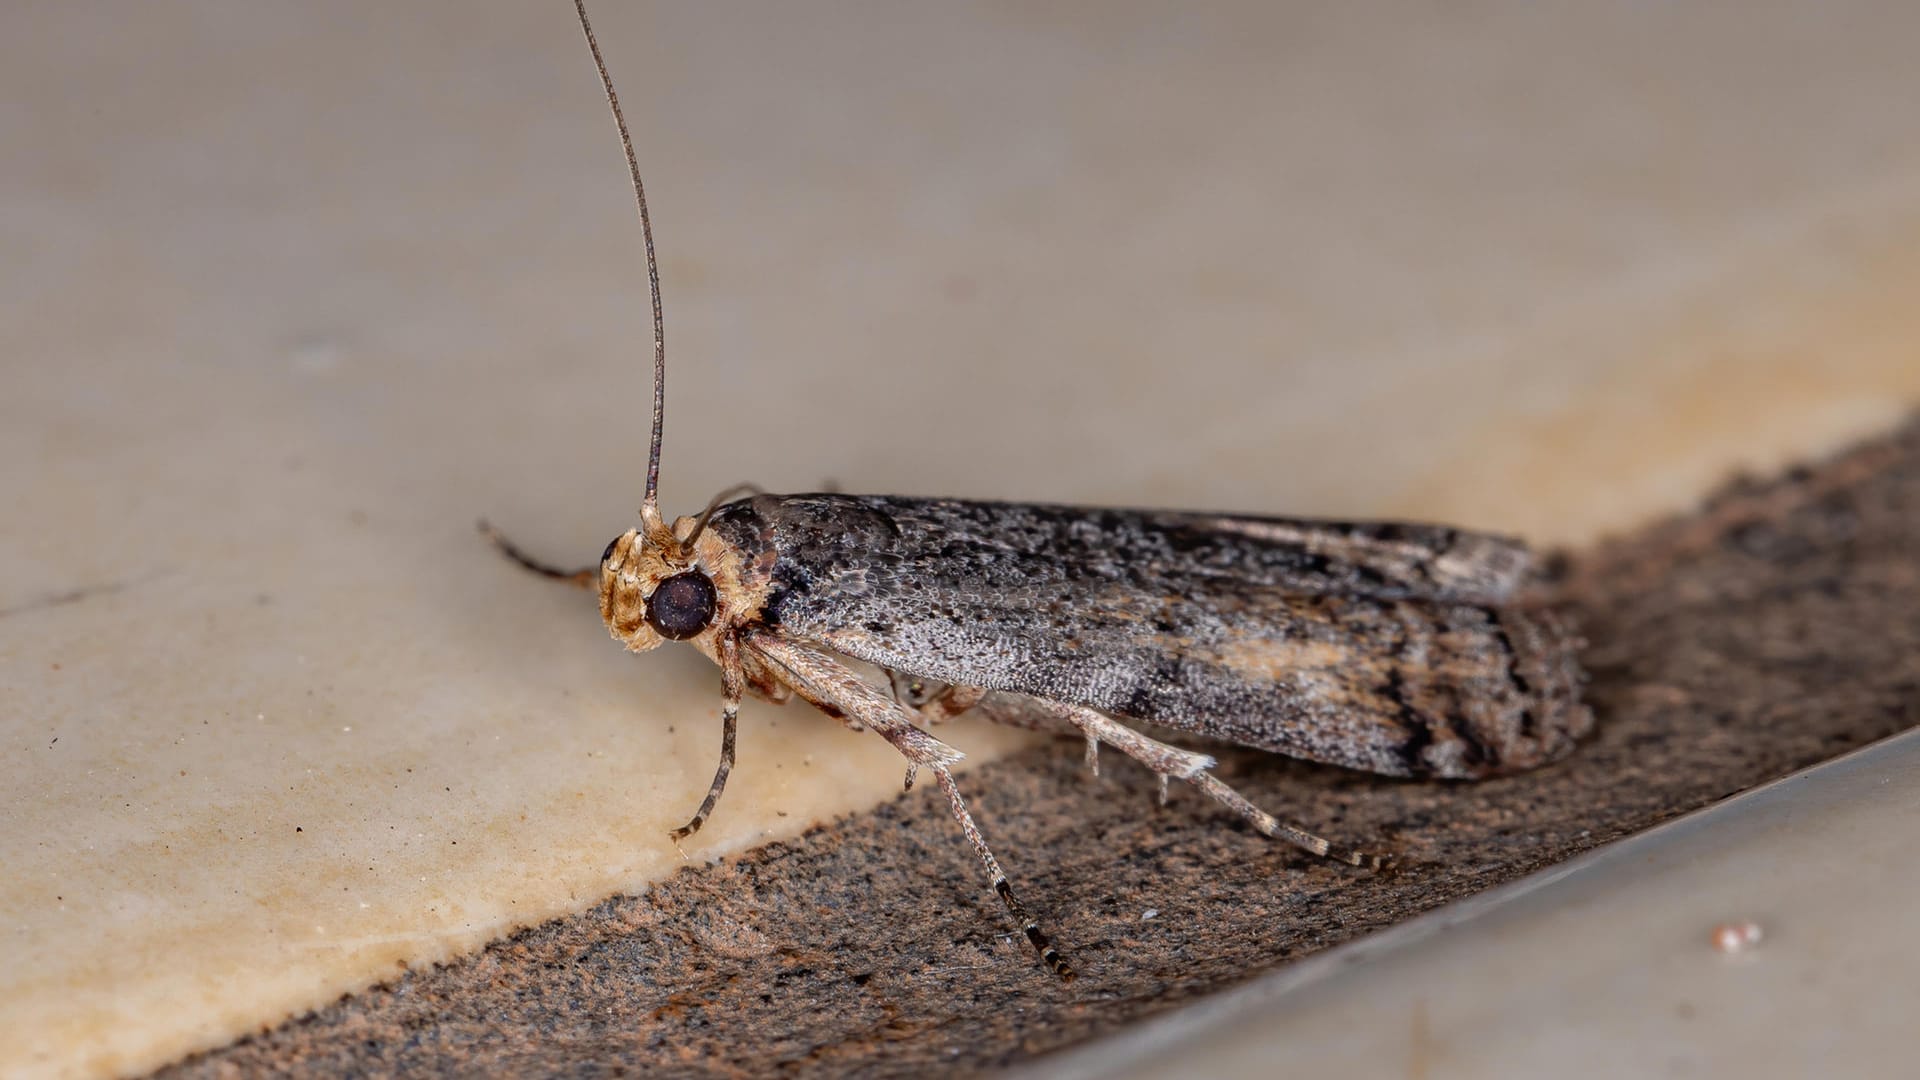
<point x="1171" y="761"/>
<point x="732" y="685"/>
<point x="820" y="679"/>
<point x="585" y="577"/>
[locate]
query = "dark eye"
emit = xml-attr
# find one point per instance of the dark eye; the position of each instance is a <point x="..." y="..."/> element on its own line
<point x="682" y="606"/>
<point x="608" y="554"/>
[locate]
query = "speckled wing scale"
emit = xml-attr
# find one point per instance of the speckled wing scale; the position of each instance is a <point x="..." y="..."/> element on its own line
<point x="1399" y="649"/>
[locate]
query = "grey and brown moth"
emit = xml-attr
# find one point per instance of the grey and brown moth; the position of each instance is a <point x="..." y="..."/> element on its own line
<point x="1399" y="649"/>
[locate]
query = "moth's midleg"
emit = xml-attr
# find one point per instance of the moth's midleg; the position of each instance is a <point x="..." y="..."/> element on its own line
<point x="824" y="681"/>
<point x="1171" y="761"/>
<point x="1001" y="887"/>
<point x="732" y="685"/>
<point x="586" y="577"/>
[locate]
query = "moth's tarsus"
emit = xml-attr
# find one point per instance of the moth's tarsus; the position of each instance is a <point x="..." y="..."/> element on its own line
<point x="1362" y="859"/>
<point x="1035" y="936"/>
<point x="1268" y="825"/>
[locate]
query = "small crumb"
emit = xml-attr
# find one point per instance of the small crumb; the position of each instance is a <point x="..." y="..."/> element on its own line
<point x="1736" y="937"/>
<point x="1150" y="913"/>
<point x="297" y="828"/>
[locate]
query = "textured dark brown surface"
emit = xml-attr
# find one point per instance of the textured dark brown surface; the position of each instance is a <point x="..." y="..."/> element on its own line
<point x="1778" y="627"/>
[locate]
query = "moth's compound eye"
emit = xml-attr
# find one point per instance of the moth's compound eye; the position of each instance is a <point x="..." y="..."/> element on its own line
<point x="608" y="554"/>
<point x="681" y="606"/>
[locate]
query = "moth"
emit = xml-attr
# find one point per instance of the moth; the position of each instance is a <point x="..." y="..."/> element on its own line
<point x="1400" y="649"/>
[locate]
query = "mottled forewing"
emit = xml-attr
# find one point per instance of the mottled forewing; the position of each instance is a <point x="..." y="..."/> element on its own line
<point x="1386" y="647"/>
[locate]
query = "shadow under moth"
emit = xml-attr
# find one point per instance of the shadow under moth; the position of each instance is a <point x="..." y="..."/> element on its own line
<point x="1400" y="649"/>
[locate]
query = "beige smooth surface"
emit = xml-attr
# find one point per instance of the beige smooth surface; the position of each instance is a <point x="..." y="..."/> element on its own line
<point x="1610" y="965"/>
<point x="292" y="295"/>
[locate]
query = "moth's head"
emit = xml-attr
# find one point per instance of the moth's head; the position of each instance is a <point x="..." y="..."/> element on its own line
<point x="655" y="587"/>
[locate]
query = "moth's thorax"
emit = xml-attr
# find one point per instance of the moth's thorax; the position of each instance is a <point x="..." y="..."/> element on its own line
<point x="641" y="561"/>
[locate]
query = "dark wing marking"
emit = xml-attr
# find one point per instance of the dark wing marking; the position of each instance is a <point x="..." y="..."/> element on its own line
<point x="1376" y="646"/>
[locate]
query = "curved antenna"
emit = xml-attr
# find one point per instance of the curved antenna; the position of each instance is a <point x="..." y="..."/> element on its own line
<point x="652" y="501"/>
<point x="700" y="525"/>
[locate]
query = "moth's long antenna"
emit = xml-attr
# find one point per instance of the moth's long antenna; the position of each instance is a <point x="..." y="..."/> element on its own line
<point x="652" y="501"/>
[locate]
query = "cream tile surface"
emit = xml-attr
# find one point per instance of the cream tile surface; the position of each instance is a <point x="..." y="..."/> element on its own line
<point x="293" y="295"/>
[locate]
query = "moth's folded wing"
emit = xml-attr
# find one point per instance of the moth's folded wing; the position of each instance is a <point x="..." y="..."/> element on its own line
<point x="1400" y="687"/>
<point x="1382" y="647"/>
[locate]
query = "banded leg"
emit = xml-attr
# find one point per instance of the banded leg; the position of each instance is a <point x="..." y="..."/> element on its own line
<point x="822" y="680"/>
<point x="732" y="685"/>
<point x="1036" y="936"/>
<point x="1173" y="762"/>
<point x="585" y="577"/>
